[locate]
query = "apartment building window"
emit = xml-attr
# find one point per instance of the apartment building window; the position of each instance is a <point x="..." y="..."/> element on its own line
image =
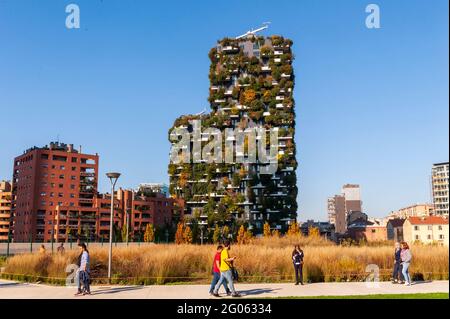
<point x="44" y="165"/>
<point x="73" y="178"/>
<point x="52" y="185"/>
<point x="417" y="237"/>
<point x="429" y="237"/>
<point x="74" y="168"/>
<point x="416" y="227"/>
<point x="61" y="185"/>
<point x="440" y="227"/>
<point x="62" y="167"/>
<point x="74" y="159"/>
<point x="72" y="186"/>
<point x="72" y="195"/>
<point x="43" y="194"/>
<point x="61" y="176"/>
<point x="44" y="156"/>
<point x="441" y="237"/>
<point x="60" y="194"/>
<point x="52" y="194"/>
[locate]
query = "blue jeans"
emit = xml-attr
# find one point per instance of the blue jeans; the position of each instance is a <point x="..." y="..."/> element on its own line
<point x="227" y="277"/>
<point x="405" y="272"/>
<point x="397" y="275"/>
<point x="215" y="280"/>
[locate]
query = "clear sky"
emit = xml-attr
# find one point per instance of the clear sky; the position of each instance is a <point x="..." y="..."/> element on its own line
<point x="372" y="105"/>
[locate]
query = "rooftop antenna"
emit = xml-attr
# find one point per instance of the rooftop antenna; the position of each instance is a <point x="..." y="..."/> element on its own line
<point x="253" y="32"/>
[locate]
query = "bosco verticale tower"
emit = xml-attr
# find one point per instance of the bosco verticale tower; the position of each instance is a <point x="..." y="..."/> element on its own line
<point x="251" y="85"/>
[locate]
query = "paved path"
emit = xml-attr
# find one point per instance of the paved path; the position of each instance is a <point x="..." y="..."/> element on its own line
<point x="10" y="289"/>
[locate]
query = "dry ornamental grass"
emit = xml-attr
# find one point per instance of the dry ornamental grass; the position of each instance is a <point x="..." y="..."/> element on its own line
<point x="263" y="260"/>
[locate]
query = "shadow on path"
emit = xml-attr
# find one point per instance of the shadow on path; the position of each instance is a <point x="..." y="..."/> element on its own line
<point x="7" y="284"/>
<point x="261" y="291"/>
<point x="115" y="290"/>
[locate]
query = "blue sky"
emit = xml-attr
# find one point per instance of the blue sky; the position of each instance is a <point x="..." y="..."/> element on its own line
<point x="372" y="105"/>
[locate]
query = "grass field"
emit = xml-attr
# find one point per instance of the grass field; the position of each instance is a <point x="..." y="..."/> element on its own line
<point x="400" y="296"/>
<point x="263" y="260"/>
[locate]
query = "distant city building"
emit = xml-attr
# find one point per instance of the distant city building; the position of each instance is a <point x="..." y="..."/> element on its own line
<point x="340" y="206"/>
<point x="5" y="210"/>
<point x="428" y="230"/>
<point x="154" y="188"/>
<point x="45" y="178"/>
<point x="439" y="182"/>
<point x="418" y="210"/>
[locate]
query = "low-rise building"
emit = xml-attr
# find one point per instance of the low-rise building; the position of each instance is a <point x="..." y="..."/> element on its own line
<point x="368" y="230"/>
<point x="130" y="208"/>
<point x="395" y="229"/>
<point x="428" y="230"/>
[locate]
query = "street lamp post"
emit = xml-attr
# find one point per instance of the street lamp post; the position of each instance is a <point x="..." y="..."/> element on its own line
<point x="113" y="177"/>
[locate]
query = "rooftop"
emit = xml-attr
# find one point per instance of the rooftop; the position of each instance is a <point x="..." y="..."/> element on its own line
<point x="430" y="220"/>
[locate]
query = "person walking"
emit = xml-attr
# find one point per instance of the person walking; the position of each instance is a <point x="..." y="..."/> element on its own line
<point x="226" y="264"/>
<point x="297" y="259"/>
<point x="216" y="273"/>
<point x="83" y="271"/>
<point x="397" y="277"/>
<point x="406" y="257"/>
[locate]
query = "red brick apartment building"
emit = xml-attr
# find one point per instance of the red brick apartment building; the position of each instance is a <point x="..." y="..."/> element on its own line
<point x="55" y="195"/>
<point x="45" y="178"/>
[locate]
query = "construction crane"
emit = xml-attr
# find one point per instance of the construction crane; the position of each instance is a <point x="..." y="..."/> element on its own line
<point x="253" y="32"/>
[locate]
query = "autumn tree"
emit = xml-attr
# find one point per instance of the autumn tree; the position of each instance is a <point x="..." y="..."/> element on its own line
<point x="225" y="231"/>
<point x="187" y="235"/>
<point x="241" y="235"/>
<point x="313" y="232"/>
<point x="267" y="232"/>
<point x="276" y="233"/>
<point x="179" y="234"/>
<point x="294" y="229"/>
<point x="149" y="235"/>
<point x="216" y="234"/>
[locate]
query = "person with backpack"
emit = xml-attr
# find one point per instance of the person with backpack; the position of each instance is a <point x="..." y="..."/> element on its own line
<point x="226" y="271"/>
<point x="216" y="273"/>
<point x="297" y="259"/>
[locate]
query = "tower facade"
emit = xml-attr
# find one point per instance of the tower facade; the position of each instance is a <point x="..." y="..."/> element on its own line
<point x="251" y="87"/>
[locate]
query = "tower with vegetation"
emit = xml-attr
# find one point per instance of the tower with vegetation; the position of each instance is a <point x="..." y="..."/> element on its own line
<point x="251" y="85"/>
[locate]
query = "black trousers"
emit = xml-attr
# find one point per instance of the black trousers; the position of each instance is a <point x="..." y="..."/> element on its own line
<point x="298" y="273"/>
<point x="397" y="275"/>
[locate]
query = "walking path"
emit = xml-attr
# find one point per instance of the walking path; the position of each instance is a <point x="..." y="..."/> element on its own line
<point x="15" y="290"/>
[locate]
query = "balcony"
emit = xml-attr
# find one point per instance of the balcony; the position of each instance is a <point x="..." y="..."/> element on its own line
<point x="230" y="49"/>
<point x="266" y="69"/>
